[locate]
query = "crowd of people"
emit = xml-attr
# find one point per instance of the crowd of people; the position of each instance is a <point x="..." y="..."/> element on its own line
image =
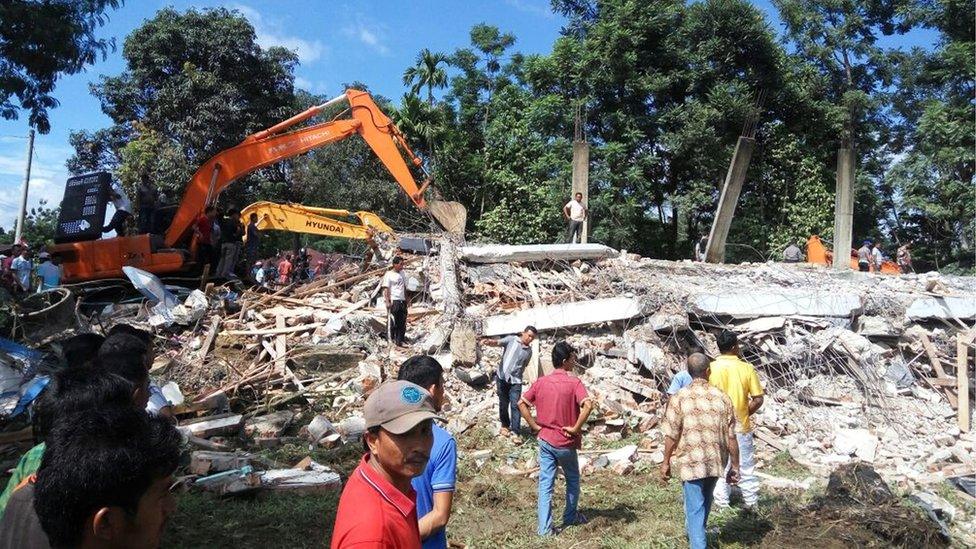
<point x="21" y="275"/>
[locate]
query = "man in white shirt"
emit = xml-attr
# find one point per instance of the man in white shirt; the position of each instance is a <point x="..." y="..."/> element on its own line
<point x="576" y="213"/>
<point x="877" y="258"/>
<point x="395" y="295"/>
<point x="22" y="267"/>
<point x="123" y="210"/>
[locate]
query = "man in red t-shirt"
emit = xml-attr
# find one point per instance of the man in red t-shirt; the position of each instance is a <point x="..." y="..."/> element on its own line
<point x="284" y="269"/>
<point x="562" y="407"/>
<point x="377" y="507"/>
<point x="203" y="230"/>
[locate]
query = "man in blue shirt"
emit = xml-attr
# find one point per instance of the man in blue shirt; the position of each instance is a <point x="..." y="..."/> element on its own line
<point x="435" y="487"/>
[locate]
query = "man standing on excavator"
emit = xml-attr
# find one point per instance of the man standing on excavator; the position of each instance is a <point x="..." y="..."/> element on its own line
<point x="123" y="210"/>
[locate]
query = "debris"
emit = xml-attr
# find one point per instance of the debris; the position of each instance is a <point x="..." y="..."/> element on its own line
<point x="472" y="376"/>
<point x="214" y="425"/>
<point x="269" y="426"/>
<point x="204" y="462"/>
<point x="859" y="442"/>
<point x="315" y="480"/>
<point x="535" y="252"/>
<point x="944" y="308"/>
<point x="318" y="428"/>
<point x="742" y="304"/>
<point x="549" y="317"/>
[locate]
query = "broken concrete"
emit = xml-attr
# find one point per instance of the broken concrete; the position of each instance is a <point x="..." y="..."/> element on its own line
<point x="746" y="305"/>
<point x="213" y="425"/>
<point x="549" y="317"/>
<point x="944" y="308"/>
<point x="269" y="426"/>
<point x="535" y="252"/>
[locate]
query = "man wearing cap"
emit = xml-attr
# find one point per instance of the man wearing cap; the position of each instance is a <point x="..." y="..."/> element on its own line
<point x="49" y="272"/>
<point x="377" y="506"/>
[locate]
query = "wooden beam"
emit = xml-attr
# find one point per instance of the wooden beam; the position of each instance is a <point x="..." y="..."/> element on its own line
<point x="962" y="377"/>
<point x="939" y="370"/>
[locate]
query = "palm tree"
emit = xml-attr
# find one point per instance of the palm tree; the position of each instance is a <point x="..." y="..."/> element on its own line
<point x="428" y="72"/>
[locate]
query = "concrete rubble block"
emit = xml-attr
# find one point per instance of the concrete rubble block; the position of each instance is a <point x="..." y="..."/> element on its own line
<point x="858" y="442"/>
<point x="206" y="427"/>
<point x="627" y="454"/>
<point x="877" y="326"/>
<point x="565" y="315"/>
<point x="944" y="308"/>
<point x="746" y="305"/>
<point x="205" y="462"/>
<point x="761" y="325"/>
<point x="638" y="388"/>
<point x="318" y="428"/>
<point x="535" y="252"/>
<point x="648" y="355"/>
<point x="472" y="376"/>
<point x="316" y="479"/>
<point x="668" y="322"/>
<point x="352" y="428"/>
<point x="464" y="344"/>
<point x="269" y="426"/>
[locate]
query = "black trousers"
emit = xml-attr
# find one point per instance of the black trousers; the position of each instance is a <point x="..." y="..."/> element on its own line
<point x="864" y="267"/>
<point x="207" y="256"/>
<point x="575" y="231"/>
<point x="398" y="321"/>
<point x="117" y="222"/>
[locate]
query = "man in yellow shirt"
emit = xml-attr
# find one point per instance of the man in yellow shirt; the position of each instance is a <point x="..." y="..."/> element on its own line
<point x="738" y="379"/>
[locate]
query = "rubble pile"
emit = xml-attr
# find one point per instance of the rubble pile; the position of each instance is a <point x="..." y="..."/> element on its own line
<point x="856" y="367"/>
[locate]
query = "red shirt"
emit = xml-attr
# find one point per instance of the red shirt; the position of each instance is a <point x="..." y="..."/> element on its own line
<point x="373" y="513"/>
<point x="284" y="269"/>
<point x="205" y="227"/>
<point x="557" y="398"/>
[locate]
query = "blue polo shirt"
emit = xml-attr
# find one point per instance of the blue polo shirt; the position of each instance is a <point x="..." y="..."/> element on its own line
<point x="437" y="477"/>
<point x="680" y="380"/>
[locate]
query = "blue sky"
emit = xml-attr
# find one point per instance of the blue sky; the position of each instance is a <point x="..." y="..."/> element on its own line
<point x="372" y="41"/>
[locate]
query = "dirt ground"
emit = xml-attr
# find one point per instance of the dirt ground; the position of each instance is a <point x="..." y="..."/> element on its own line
<point x="492" y="510"/>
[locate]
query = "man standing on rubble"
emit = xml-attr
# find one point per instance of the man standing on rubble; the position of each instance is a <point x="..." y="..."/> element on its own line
<point x="395" y="296"/>
<point x="377" y="506"/>
<point x="435" y="487"/>
<point x="738" y="379"/>
<point x="562" y="407"/>
<point x="792" y="253"/>
<point x="700" y="423"/>
<point x="576" y="213"/>
<point x="905" y="258"/>
<point x="864" y="257"/>
<point x="517" y="350"/>
<point x="877" y="258"/>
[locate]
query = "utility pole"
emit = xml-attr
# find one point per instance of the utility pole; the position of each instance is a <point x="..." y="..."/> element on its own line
<point x="23" y="196"/>
<point x="581" y="169"/>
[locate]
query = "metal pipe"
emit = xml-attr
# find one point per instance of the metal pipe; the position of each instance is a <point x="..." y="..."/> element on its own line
<point x="23" y="194"/>
<point x="300" y="117"/>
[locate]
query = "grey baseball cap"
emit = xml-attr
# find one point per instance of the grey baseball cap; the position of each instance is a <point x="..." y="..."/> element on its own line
<point x="398" y="406"/>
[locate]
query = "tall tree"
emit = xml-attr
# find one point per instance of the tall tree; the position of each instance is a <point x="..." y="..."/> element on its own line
<point x="195" y="83"/>
<point x="428" y="72"/>
<point x="40" y="42"/>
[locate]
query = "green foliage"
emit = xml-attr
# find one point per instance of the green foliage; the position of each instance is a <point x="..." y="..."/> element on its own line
<point x="39" y="42"/>
<point x="40" y="224"/>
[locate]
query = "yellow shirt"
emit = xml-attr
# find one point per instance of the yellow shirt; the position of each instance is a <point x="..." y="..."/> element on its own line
<point x="738" y="379"/>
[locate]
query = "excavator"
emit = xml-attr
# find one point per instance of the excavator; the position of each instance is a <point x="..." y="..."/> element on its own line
<point x="297" y="218"/>
<point x="817" y="253"/>
<point x="172" y="251"/>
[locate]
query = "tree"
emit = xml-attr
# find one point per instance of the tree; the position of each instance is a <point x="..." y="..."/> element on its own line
<point x="195" y="83"/>
<point x="428" y="72"/>
<point x="40" y="224"/>
<point x="39" y="42"/>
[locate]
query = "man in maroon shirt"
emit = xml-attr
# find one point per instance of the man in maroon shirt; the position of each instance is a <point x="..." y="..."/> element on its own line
<point x="562" y="407"/>
<point x="377" y="506"/>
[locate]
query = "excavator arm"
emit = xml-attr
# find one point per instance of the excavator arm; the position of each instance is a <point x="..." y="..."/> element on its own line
<point x="277" y="143"/>
<point x="306" y="219"/>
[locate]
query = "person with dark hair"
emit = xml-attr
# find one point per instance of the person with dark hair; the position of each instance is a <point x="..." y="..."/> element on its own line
<point x="148" y="195"/>
<point x="81" y="350"/>
<point x="575" y="213"/>
<point x="73" y="389"/>
<point x="231" y="233"/>
<point x="395" y="296"/>
<point x="123" y="210"/>
<point x="125" y="340"/>
<point x="252" y="240"/>
<point x="562" y="407"/>
<point x="699" y="423"/>
<point x="377" y="507"/>
<point x="132" y="368"/>
<point x="435" y="487"/>
<point x="864" y="257"/>
<point x="517" y="350"/>
<point x="701" y="248"/>
<point x="284" y="270"/>
<point x="105" y="479"/>
<point x="739" y="380"/>
<point x="203" y="231"/>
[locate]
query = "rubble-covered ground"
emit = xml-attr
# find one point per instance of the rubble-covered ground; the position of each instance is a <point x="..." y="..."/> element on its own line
<point x="858" y="369"/>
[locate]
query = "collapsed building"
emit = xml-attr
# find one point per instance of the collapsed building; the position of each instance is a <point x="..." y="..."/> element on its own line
<point x="856" y="367"/>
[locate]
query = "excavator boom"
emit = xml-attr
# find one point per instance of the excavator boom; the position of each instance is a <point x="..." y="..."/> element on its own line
<point x="297" y="218"/>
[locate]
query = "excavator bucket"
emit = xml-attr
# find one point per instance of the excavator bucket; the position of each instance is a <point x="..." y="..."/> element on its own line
<point x="452" y="216"/>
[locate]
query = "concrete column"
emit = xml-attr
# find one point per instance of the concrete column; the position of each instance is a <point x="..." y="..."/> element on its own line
<point x="844" y="209"/>
<point x="715" y="252"/>
<point x="581" y="180"/>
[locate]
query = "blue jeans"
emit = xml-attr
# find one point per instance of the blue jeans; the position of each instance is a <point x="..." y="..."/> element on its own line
<point x="698" y="503"/>
<point x="549" y="458"/>
<point x="508" y="411"/>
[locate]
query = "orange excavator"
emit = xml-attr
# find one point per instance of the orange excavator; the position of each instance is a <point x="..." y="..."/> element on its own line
<point x="818" y="253"/>
<point x="171" y="253"/>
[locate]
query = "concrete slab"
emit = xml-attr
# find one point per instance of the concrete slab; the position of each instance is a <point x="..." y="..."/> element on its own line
<point x="946" y="308"/>
<point x="535" y="252"/>
<point x="746" y="305"/>
<point x="550" y="317"/>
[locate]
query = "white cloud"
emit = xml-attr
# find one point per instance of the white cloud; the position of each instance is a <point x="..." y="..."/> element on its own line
<point x="532" y="6"/>
<point x="371" y="35"/>
<point x="48" y="175"/>
<point x="270" y="33"/>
